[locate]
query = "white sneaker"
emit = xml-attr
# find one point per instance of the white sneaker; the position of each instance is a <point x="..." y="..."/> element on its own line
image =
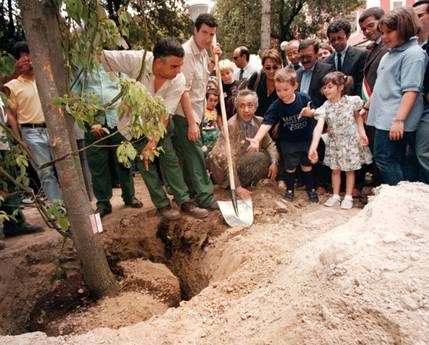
<point x="334" y="200"/>
<point x="347" y="204"/>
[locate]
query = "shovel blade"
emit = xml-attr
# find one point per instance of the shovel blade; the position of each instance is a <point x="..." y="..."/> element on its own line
<point x="245" y="211"/>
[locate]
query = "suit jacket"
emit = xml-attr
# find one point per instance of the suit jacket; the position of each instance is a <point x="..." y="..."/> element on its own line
<point x="353" y="65"/>
<point x="320" y="70"/>
<point x="217" y="160"/>
<point x="372" y="62"/>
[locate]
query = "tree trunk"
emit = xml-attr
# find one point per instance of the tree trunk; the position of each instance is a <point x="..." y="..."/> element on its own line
<point x="265" y="24"/>
<point x="43" y="36"/>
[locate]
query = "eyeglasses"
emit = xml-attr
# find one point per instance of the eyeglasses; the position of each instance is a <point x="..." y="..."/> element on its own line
<point x="274" y="67"/>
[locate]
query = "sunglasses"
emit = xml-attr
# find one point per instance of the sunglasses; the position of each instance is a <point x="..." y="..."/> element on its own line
<point x="274" y="67"/>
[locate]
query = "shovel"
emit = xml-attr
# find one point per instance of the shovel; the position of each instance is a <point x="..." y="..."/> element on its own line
<point x="235" y="212"/>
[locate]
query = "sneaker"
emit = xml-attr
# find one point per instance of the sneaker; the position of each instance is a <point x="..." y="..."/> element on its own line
<point x="312" y="196"/>
<point x="347" y="203"/>
<point x="169" y="213"/>
<point x="333" y="201"/>
<point x="134" y="203"/>
<point x="193" y="210"/>
<point x="289" y="195"/>
<point x="28" y="200"/>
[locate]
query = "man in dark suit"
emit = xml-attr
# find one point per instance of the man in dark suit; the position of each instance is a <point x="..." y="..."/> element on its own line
<point x="368" y="22"/>
<point x="311" y="75"/>
<point x="310" y="79"/>
<point x="347" y="59"/>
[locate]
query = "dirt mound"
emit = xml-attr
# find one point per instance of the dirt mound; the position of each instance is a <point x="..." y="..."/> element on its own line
<point x="302" y="281"/>
<point x="148" y="289"/>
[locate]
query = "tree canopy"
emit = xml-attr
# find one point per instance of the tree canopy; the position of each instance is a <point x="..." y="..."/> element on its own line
<point x="240" y="21"/>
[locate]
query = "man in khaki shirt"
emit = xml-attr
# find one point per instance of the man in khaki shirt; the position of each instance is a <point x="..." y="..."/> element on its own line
<point x="26" y="119"/>
<point x="196" y="67"/>
<point x="162" y="78"/>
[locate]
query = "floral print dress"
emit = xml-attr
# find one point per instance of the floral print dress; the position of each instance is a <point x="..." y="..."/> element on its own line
<point x="343" y="149"/>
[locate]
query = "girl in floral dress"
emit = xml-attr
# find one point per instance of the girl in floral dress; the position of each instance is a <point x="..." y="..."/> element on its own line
<point x="346" y="149"/>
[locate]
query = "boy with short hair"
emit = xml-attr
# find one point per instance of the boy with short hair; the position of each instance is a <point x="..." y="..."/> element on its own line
<point x="295" y="133"/>
<point x="229" y="85"/>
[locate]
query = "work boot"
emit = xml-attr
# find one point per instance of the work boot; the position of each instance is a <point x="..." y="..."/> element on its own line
<point x="169" y="213"/>
<point x="193" y="210"/>
<point x="214" y="206"/>
<point x="103" y="211"/>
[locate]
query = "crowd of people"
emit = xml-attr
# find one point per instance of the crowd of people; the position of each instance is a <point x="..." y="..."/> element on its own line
<point x="323" y="116"/>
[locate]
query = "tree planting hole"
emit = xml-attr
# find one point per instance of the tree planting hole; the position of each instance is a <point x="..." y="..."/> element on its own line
<point x="157" y="263"/>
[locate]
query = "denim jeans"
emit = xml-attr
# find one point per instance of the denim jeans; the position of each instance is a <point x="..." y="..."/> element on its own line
<point x="37" y="141"/>
<point x="396" y="159"/>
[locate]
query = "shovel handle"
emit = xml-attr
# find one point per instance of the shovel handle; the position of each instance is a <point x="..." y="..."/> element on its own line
<point x="224" y="122"/>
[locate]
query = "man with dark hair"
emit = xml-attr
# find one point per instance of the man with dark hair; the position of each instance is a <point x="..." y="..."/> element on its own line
<point x="162" y="78"/>
<point x="241" y="56"/>
<point x="368" y="22"/>
<point x="311" y="75"/>
<point x="310" y="79"/>
<point x="26" y="119"/>
<point x="422" y="136"/>
<point x="196" y="68"/>
<point x="347" y="59"/>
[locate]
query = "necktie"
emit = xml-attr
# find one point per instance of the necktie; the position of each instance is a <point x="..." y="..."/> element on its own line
<point x="339" y="62"/>
<point x="241" y="74"/>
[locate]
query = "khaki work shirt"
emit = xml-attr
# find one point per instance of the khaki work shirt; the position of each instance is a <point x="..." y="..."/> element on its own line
<point x="195" y="69"/>
<point x="129" y="62"/>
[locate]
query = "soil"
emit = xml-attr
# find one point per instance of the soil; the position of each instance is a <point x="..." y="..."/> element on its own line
<point x="302" y="274"/>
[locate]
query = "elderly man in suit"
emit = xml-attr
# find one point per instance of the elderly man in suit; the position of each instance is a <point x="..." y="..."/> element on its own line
<point x="249" y="168"/>
<point x="347" y="59"/>
<point x="311" y="75"/>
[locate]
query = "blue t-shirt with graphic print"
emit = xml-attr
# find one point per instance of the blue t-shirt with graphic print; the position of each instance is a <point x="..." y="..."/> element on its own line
<point x="291" y="128"/>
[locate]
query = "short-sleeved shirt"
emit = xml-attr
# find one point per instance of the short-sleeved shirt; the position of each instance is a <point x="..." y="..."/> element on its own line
<point x="400" y="70"/>
<point x="129" y="62"/>
<point x="195" y="70"/>
<point x="24" y="100"/>
<point x="230" y="92"/>
<point x="292" y="128"/>
<point x="105" y="86"/>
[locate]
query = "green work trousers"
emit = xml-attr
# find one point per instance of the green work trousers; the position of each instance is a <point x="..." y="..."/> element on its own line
<point x="194" y="167"/>
<point x="98" y="160"/>
<point x="170" y="167"/>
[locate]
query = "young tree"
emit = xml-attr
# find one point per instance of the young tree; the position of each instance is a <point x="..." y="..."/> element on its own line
<point x="40" y="22"/>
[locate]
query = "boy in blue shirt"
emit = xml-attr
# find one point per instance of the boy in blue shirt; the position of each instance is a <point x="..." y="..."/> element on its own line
<point x="295" y="133"/>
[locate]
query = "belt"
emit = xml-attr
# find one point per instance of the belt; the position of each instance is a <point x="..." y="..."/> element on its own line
<point x="33" y="125"/>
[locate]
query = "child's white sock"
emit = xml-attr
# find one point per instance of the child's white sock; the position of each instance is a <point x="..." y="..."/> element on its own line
<point x="348" y="197"/>
<point x="336" y="196"/>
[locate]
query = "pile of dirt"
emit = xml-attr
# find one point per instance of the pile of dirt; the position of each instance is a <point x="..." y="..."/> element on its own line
<point x="310" y="279"/>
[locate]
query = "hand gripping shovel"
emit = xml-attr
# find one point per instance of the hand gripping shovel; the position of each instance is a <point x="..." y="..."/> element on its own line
<point x="235" y="212"/>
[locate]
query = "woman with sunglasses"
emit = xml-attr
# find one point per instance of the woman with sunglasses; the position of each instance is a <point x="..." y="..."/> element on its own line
<point x="271" y="62"/>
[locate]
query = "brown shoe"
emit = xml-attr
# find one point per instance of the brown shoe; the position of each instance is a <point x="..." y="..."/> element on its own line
<point x="193" y="210"/>
<point x="170" y="213"/>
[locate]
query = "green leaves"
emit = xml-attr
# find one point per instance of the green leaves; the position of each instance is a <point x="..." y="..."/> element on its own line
<point x="56" y="214"/>
<point x="7" y="64"/>
<point x="145" y="112"/>
<point x="126" y="154"/>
